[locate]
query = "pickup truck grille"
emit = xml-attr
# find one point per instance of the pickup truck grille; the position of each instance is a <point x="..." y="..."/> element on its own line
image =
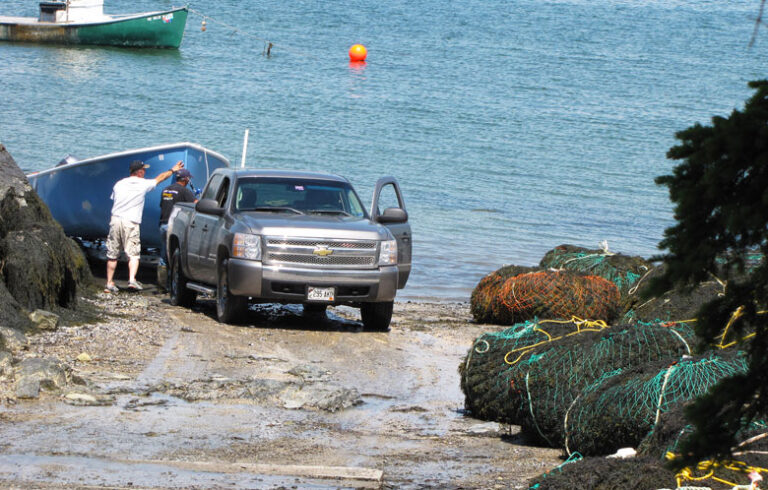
<point x="321" y="253"/>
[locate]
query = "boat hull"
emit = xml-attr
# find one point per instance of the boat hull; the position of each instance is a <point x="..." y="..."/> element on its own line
<point x="153" y="30"/>
<point x="79" y="194"/>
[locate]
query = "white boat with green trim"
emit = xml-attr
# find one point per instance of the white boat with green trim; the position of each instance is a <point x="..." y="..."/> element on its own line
<point x="84" y="22"/>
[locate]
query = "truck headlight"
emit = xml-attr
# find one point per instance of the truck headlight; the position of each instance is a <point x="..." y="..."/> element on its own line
<point x="246" y="246"/>
<point x="388" y="252"/>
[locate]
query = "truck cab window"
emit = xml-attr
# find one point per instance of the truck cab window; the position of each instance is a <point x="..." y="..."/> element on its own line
<point x="246" y="198"/>
<point x="212" y="188"/>
<point x="221" y="196"/>
<point x="388" y="198"/>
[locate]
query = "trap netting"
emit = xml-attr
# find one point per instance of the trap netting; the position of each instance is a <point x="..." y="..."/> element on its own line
<point x="529" y="374"/>
<point x="676" y="305"/>
<point x="648" y="470"/>
<point x="556" y="378"/>
<point x="750" y="453"/>
<point x="666" y="434"/>
<point x="620" y="409"/>
<point x="557" y="295"/>
<point x="622" y="270"/>
<point x="486" y="391"/>
<point x="485" y="303"/>
<point x="663" y="441"/>
<point x="749" y="458"/>
<point x="607" y="474"/>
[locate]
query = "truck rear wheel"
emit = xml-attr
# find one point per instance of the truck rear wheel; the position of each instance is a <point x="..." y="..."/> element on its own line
<point x="180" y="294"/>
<point x="376" y="316"/>
<point x="229" y="307"/>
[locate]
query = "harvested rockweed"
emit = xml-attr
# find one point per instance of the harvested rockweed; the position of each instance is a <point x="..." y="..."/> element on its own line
<point x="559" y="295"/>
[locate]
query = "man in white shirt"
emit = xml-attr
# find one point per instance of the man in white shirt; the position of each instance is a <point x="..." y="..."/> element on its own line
<point x="128" y="205"/>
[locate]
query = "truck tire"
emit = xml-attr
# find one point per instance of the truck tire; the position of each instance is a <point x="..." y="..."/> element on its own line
<point x="229" y="307"/>
<point x="376" y="316"/>
<point x="180" y="294"/>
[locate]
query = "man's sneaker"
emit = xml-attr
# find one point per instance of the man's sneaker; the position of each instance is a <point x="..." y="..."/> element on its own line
<point x="111" y="289"/>
<point x="135" y="286"/>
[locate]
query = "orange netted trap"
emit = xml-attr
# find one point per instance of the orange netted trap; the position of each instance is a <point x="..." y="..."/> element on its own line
<point x="559" y="294"/>
<point x="485" y="303"/>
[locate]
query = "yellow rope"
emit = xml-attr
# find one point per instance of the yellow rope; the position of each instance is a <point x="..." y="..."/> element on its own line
<point x="581" y="326"/>
<point x="735" y="316"/>
<point x="709" y="467"/>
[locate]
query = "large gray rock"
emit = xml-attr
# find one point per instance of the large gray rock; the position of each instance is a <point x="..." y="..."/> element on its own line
<point x="13" y="339"/>
<point x="36" y="373"/>
<point x="12" y="176"/>
<point x="44" y="320"/>
<point x="42" y="268"/>
<point x="88" y="399"/>
<point x="6" y="363"/>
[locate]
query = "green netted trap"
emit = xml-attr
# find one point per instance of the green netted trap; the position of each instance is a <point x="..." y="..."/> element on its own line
<point x="557" y="295"/>
<point x="607" y="474"/>
<point x="529" y="374"/>
<point x="749" y="458"/>
<point x="664" y="440"/>
<point x="678" y="305"/>
<point x="649" y="469"/>
<point x="666" y="434"/>
<point x="750" y="454"/>
<point x="644" y="473"/>
<point x="620" y="409"/>
<point x="559" y="377"/>
<point x="483" y="379"/>
<point x="485" y="303"/>
<point x="622" y="270"/>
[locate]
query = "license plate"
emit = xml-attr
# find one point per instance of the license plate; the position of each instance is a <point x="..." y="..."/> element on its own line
<point x="320" y="294"/>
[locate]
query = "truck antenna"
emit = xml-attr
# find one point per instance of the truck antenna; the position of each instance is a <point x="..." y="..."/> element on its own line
<point x="245" y="147"/>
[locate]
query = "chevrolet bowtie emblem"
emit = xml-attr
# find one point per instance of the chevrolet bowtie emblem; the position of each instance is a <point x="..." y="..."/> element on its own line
<point x="322" y="251"/>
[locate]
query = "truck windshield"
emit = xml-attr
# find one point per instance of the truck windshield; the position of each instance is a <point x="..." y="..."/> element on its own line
<point x="273" y="194"/>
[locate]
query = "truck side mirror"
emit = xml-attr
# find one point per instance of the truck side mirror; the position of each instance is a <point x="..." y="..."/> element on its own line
<point x="393" y="215"/>
<point x="209" y="206"/>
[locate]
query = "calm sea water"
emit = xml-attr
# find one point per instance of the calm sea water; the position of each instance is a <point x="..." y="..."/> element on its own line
<point x="513" y="126"/>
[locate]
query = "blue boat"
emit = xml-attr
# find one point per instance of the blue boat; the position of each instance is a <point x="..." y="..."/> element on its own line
<point x="78" y="191"/>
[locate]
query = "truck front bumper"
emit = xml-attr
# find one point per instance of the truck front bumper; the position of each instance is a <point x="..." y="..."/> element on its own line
<point x="289" y="284"/>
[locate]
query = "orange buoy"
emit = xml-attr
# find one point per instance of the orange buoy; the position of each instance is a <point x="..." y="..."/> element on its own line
<point x="357" y="53"/>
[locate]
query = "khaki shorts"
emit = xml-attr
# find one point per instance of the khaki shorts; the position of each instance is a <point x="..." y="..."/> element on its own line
<point x="123" y="235"/>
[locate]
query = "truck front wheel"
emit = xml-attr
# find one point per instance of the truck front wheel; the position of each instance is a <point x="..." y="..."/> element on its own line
<point x="180" y="294"/>
<point x="229" y="307"/>
<point x="376" y="316"/>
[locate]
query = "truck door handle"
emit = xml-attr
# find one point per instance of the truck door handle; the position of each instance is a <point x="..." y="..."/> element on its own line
<point x="205" y="228"/>
<point x="192" y="225"/>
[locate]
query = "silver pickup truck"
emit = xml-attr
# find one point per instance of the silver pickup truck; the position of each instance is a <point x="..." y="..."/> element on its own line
<point x="290" y="237"/>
